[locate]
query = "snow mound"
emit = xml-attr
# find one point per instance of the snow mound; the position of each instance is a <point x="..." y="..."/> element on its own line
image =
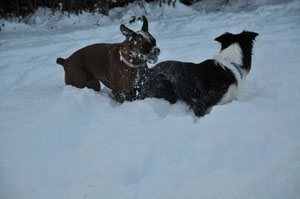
<point x="57" y="141"/>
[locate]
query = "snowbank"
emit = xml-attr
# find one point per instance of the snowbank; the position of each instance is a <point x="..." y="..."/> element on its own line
<point x="57" y="141"/>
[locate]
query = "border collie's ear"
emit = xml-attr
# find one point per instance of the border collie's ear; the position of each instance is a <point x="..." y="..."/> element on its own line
<point x="250" y="35"/>
<point x="226" y="37"/>
<point x="126" y="31"/>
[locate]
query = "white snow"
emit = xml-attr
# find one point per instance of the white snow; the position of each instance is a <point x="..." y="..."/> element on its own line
<point x="58" y="141"/>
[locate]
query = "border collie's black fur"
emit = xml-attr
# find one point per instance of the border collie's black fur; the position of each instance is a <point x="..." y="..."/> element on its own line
<point x="203" y="85"/>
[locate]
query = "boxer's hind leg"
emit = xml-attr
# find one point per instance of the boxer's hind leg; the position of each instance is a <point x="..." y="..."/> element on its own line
<point x="75" y="76"/>
<point x="92" y="82"/>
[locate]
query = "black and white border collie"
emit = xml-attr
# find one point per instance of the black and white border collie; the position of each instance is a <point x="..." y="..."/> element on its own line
<point x="201" y="86"/>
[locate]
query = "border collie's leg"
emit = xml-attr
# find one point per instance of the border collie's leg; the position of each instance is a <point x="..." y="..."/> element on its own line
<point x="198" y="108"/>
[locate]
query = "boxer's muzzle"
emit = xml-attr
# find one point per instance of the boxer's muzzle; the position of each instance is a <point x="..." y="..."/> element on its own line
<point x="153" y="55"/>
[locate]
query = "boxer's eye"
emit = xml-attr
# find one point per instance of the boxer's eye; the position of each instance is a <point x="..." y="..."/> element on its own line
<point x="134" y="42"/>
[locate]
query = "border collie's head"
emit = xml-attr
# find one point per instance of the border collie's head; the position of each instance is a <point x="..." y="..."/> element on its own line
<point x="245" y="39"/>
<point x="245" y="42"/>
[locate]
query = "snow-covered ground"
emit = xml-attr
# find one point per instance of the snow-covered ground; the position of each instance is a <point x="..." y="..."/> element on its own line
<point x="58" y="141"/>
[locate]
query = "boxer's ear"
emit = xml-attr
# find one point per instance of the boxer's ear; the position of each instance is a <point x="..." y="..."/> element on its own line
<point x="145" y="24"/>
<point x="126" y="31"/>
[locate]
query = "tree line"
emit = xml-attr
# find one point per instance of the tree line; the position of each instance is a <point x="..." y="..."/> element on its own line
<point x="23" y="8"/>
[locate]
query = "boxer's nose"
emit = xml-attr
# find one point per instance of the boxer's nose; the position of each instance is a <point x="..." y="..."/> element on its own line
<point x="155" y="51"/>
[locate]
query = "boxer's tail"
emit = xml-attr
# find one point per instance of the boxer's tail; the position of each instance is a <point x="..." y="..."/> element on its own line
<point x="60" y="61"/>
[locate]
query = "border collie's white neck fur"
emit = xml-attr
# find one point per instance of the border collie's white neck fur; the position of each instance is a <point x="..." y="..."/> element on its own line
<point x="232" y="53"/>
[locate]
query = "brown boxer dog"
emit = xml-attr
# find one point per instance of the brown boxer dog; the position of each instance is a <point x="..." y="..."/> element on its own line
<point x="118" y="66"/>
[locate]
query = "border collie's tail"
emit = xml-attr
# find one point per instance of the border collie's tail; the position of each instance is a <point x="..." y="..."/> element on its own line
<point x="60" y="61"/>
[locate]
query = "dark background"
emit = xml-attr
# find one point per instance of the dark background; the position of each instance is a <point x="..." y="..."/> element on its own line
<point x="23" y="8"/>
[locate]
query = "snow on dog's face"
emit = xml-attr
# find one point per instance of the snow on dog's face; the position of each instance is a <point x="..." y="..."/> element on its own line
<point x="142" y="44"/>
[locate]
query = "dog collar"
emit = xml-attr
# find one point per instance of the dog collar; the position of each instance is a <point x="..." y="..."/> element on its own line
<point x="237" y="68"/>
<point x="128" y="63"/>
